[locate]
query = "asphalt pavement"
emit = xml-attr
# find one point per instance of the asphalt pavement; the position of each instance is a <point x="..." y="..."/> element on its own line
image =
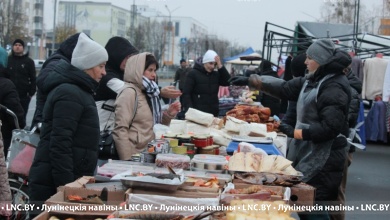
<point x="368" y="184"/>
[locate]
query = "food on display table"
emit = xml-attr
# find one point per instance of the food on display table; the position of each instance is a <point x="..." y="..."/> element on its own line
<point x="211" y="183"/>
<point x="173" y="160"/>
<point x="252" y="162"/>
<point x="170" y="176"/>
<point x="248" y="162"/>
<point x="270" y="179"/>
<point x="248" y="113"/>
<point x="253" y="130"/>
<point x="234" y="124"/>
<point x="199" y="117"/>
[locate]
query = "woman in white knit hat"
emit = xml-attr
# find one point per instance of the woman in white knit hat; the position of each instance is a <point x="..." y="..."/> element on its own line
<point x="202" y="84"/>
<point x="68" y="148"/>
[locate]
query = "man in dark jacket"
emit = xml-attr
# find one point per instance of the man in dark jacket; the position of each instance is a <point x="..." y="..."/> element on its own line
<point x="68" y="148"/>
<point x="202" y="84"/>
<point x="180" y="77"/>
<point x="9" y="98"/>
<point x="298" y="68"/>
<point x="353" y="112"/>
<point x="64" y="52"/>
<point x="181" y="74"/>
<point x="21" y="71"/>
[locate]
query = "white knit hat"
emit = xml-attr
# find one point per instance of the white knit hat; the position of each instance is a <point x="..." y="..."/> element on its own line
<point x="209" y="56"/>
<point x="88" y="53"/>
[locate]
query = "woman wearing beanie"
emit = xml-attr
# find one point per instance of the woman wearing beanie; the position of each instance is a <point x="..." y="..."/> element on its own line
<point x="318" y="148"/>
<point x="68" y="147"/>
<point x="202" y="84"/>
<point x="133" y="130"/>
<point x="64" y="52"/>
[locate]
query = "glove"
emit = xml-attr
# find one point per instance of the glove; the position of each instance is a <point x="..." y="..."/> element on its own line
<point x="239" y="81"/>
<point x="287" y="129"/>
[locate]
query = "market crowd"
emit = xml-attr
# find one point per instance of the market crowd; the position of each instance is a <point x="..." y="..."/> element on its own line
<point x="85" y="89"/>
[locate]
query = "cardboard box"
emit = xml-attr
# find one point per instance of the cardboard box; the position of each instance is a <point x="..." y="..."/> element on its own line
<point x="115" y="198"/>
<point x="80" y="182"/>
<point x="278" y="192"/>
<point x="302" y="194"/>
<point x="63" y="216"/>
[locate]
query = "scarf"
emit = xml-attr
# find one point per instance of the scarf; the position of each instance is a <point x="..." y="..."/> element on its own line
<point x="153" y="92"/>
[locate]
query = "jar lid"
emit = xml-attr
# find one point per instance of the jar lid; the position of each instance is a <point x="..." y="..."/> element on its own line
<point x="184" y="136"/>
<point x="170" y="135"/>
<point x="200" y="137"/>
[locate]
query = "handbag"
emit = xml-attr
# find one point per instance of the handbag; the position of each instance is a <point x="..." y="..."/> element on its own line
<point x="107" y="149"/>
<point x="22" y="151"/>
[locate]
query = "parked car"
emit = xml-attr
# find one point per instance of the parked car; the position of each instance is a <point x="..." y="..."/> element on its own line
<point x="38" y="65"/>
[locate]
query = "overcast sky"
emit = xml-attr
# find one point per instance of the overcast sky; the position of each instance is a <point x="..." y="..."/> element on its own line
<point x="240" y="21"/>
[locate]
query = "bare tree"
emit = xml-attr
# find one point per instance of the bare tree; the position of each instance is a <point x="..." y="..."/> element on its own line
<point x="12" y="22"/>
<point x="139" y="39"/>
<point x="63" y="31"/>
<point x="155" y="38"/>
<point x="338" y="11"/>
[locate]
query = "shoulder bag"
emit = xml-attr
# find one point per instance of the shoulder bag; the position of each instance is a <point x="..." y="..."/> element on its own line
<point x="107" y="149"/>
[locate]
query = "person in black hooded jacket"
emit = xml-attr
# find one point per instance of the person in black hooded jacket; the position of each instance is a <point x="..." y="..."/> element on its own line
<point x="68" y="148"/>
<point x="265" y="99"/>
<point x="9" y="98"/>
<point x="318" y="148"/>
<point x="119" y="49"/>
<point x="64" y="52"/>
<point x="202" y="84"/>
<point x="353" y="112"/>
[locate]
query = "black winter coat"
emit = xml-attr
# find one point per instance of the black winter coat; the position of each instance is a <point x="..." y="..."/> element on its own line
<point x="103" y="92"/>
<point x="21" y="71"/>
<point x="68" y="148"/>
<point x="47" y="67"/>
<point x="64" y="52"/>
<point x="356" y="90"/>
<point x="201" y="89"/>
<point x="332" y="103"/>
<point x="9" y="98"/>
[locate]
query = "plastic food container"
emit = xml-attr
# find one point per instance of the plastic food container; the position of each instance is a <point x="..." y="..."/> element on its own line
<point x="206" y="162"/>
<point x="173" y="160"/>
<point x="202" y="140"/>
<point x="183" y="138"/>
<point x="212" y="149"/>
<point x="179" y="149"/>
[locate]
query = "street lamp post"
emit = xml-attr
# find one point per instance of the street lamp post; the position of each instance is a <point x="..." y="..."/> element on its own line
<point x="54" y="27"/>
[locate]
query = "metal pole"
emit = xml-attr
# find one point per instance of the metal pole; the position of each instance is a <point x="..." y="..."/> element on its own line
<point x="169" y="33"/>
<point x="54" y="27"/>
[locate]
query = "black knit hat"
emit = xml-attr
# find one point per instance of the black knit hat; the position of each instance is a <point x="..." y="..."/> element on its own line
<point x="18" y="41"/>
<point x="118" y="48"/>
<point x="68" y="45"/>
<point x="298" y="66"/>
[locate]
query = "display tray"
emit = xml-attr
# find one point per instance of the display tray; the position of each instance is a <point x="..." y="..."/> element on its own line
<point x="150" y="182"/>
<point x="148" y="185"/>
<point x="259" y="140"/>
<point x="271" y="149"/>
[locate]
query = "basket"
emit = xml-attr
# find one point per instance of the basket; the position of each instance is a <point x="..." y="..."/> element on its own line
<point x="22" y="151"/>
